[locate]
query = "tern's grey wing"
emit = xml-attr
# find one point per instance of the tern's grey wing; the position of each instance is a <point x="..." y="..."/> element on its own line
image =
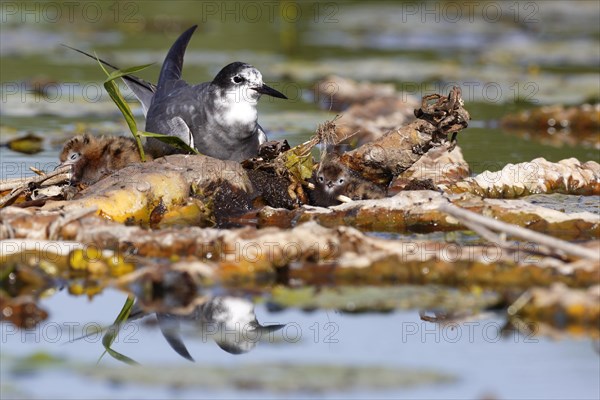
<point x="171" y="125"/>
<point x="178" y="104"/>
<point x="173" y="64"/>
<point x="172" y="114"/>
<point x="144" y="93"/>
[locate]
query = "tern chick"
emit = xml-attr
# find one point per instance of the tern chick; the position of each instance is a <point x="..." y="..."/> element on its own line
<point x="333" y="179"/>
<point x="92" y="158"/>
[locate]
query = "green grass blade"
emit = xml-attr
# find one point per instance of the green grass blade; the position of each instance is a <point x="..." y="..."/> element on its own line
<point x="115" y="94"/>
<point x="127" y="71"/>
<point x="111" y="334"/>
<point x="101" y="65"/>
<point x="117" y="97"/>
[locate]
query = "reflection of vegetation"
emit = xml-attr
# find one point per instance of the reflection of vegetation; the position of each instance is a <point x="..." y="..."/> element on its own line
<point x="113" y="331"/>
<point x="5" y="271"/>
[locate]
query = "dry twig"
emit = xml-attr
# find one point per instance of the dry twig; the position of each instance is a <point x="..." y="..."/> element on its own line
<point x="486" y="224"/>
<point x="20" y="185"/>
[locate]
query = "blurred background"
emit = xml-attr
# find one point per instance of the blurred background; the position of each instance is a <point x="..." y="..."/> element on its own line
<point x="508" y="57"/>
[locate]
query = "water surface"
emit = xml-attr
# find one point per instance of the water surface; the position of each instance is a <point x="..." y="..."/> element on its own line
<point x="531" y="54"/>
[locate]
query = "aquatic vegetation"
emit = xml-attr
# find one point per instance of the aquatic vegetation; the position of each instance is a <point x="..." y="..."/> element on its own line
<point x="164" y="231"/>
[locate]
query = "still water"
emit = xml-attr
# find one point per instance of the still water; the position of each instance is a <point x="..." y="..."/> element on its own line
<point x="470" y="360"/>
<point x="510" y="56"/>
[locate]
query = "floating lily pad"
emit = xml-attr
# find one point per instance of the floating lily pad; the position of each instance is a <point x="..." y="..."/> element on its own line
<point x="274" y="377"/>
<point x="377" y="299"/>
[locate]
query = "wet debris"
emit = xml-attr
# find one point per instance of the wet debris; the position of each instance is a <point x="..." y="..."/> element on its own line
<point x="23" y="312"/>
<point x="280" y="177"/>
<point x="148" y="229"/>
<point x="558" y="124"/>
<point x="313" y="254"/>
<point x="19" y="190"/>
<point x="27" y="144"/>
<point x="568" y="176"/>
<point x="561" y="306"/>
<point x="419" y="212"/>
<point x="382" y="160"/>
<point x="438" y="165"/>
<point x="447" y="114"/>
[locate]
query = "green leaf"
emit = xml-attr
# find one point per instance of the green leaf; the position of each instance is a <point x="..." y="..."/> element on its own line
<point x="115" y="94"/>
<point x="170" y="140"/>
<point x="299" y="165"/>
<point x="127" y="71"/>
<point x="117" y="97"/>
<point x="101" y="65"/>
<point x="112" y="333"/>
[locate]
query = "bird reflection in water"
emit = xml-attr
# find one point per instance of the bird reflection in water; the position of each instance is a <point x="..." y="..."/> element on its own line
<point x="229" y="321"/>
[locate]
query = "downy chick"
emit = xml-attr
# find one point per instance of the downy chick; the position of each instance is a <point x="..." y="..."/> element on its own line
<point x="333" y="179"/>
<point x="92" y="158"/>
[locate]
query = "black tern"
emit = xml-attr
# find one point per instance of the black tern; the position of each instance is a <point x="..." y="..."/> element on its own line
<point x="218" y="118"/>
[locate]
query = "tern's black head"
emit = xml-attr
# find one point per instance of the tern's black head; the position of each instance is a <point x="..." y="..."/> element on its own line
<point x="241" y="76"/>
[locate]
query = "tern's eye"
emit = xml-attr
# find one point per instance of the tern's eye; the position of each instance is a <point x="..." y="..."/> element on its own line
<point x="341" y="181"/>
<point x="321" y="179"/>
<point x="237" y="79"/>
